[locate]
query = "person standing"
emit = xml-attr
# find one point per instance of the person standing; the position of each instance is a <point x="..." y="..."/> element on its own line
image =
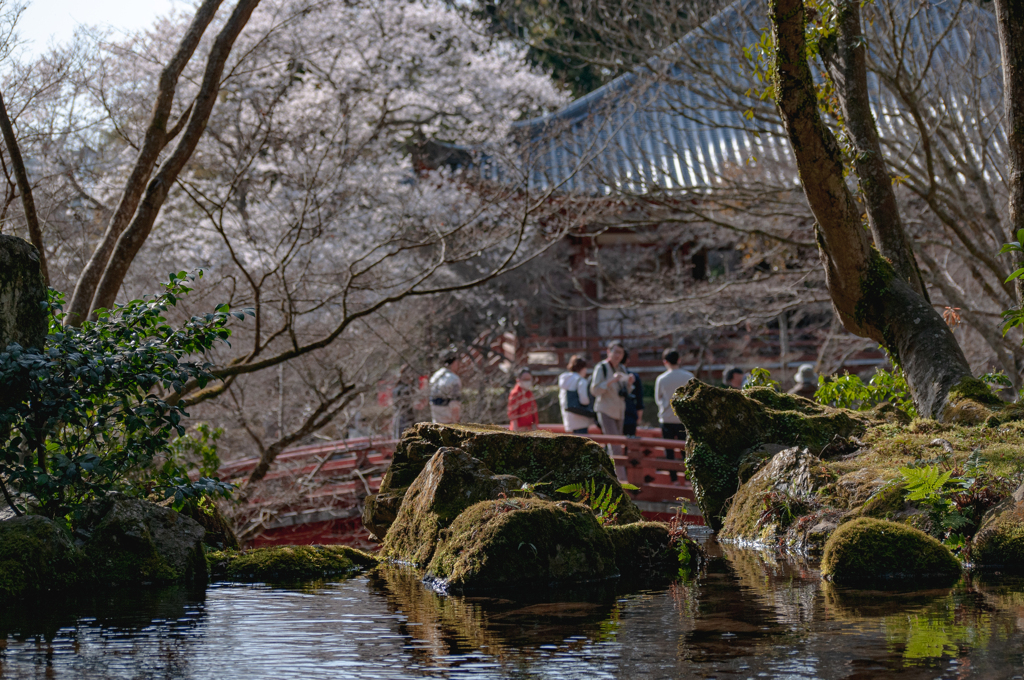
<point x="634" y="401"/>
<point x="574" y="397"/>
<point x="805" y="382"/>
<point x="732" y="377"/>
<point x="610" y="384"/>
<point x="445" y="393"/>
<point x="522" y="406"/>
<point x="665" y="386"/>
<point x="402" y="396"/>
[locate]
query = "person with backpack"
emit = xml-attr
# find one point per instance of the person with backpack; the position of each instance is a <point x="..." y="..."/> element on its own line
<point x="611" y="383"/>
<point x="574" y="397"/>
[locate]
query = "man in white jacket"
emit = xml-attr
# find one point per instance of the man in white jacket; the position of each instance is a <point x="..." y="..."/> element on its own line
<point x="446" y="393"/>
<point x="574" y="380"/>
<point x="666" y="385"/>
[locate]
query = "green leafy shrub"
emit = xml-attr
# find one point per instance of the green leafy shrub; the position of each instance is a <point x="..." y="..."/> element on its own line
<point x="602" y="501"/>
<point x="98" y="407"/>
<point x="849" y="391"/>
<point x="761" y="377"/>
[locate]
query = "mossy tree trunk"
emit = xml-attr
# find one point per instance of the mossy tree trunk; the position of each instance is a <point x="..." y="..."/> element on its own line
<point x="871" y="299"/>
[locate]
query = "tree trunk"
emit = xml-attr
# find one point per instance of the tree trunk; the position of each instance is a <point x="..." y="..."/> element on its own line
<point x="846" y="59"/>
<point x="141" y="225"/>
<point x="868" y="296"/>
<point x="154" y="141"/>
<point x="1010" y="18"/>
<point x="28" y="204"/>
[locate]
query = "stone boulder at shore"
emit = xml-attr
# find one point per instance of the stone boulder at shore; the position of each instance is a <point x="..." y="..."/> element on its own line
<point x="725" y="426"/>
<point x="521" y="542"/>
<point x="37" y="555"/>
<point x="869" y="552"/>
<point x="129" y="540"/>
<point x="555" y="460"/>
<point x="999" y="542"/>
<point x="450" y="482"/>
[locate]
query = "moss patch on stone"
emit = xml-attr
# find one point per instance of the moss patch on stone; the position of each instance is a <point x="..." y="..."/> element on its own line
<point x="556" y="460"/>
<point x="723" y="425"/>
<point x="288" y="563"/>
<point x="512" y="542"/>
<point x="37" y="555"/>
<point x="999" y="542"/>
<point x="869" y="552"/>
<point x="450" y="482"/>
<point x="645" y="550"/>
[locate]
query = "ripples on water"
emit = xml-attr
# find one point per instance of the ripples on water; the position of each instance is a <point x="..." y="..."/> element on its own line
<point x="748" y="616"/>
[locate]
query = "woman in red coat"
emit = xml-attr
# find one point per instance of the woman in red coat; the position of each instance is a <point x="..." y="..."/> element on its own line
<point x="522" y="406"/>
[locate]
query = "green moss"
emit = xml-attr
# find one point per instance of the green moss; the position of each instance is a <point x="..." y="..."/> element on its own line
<point x="450" y="482"/>
<point x="874" y="284"/>
<point x="288" y="563"/>
<point x="869" y="552"/>
<point x="37" y="555"/>
<point x="511" y="542"/>
<point x="885" y="503"/>
<point x="556" y="459"/>
<point x="724" y="425"/>
<point x="646" y="550"/>
<point x="976" y="390"/>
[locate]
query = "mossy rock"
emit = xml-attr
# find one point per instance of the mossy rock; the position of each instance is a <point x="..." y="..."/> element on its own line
<point x="764" y="508"/>
<point x="381" y="510"/>
<point x="37" y="555"/>
<point x="722" y="425"/>
<point x="130" y="540"/>
<point x="871" y="552"/>
<point x="521" y="542"/>
<point x="999" y="543"/>
<point x="554" y="459"/>
<point x="219" y="533"/>
<point x="450" y="482"/>
<point x="288" y="563"/>
<point x="645" y="550"/>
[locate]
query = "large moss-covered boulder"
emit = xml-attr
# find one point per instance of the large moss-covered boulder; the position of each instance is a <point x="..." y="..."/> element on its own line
<point x="999" y="542"/>
<point x="723" y="426"/>
<point x="284" y="563"/>
<point x="556" y="460"/>
<point x="766" y="506"/>
<point x="521" y="542"/>
<point x="869" y="552"/>
<point x="130" y="540"/>
<point x="37" y="555"/>
<point x="645" y="550"/>
<point x="450" y="482"/>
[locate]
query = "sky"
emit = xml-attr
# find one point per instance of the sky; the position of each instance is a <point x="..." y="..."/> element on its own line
<point x="46" y="20"/>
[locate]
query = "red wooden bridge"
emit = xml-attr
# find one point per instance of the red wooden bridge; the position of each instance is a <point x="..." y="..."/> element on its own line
<point x="314" y="494"/>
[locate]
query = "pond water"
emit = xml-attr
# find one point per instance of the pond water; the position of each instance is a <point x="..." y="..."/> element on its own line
<point x="748" y="616"/>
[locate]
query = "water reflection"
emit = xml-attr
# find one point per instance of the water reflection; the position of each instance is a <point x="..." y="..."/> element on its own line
<point x="749" y="615"/>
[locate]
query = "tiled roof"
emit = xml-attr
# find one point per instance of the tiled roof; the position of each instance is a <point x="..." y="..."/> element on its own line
<point x="644" y="131"/>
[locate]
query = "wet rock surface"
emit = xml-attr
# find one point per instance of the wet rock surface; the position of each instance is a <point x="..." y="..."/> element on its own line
<point x="450" y="482"/>
<point x="785" y="489"/>
<point x="724" y="426"/>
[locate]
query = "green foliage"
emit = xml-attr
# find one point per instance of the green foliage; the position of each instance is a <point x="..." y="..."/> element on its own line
<point x="96" y="411"/>
<point x="849" y="391"/>
<point x="604" y="502"/>
<point x="761" y="377"/>
<point x="1013" y="318"/>
<point x="195" y="451"/>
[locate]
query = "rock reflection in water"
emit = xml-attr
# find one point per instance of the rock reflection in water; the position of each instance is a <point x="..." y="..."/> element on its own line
<point x="749" y="615"/>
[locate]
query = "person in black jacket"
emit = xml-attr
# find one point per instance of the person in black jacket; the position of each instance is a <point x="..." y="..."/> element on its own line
<point x="634" y="403"/>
